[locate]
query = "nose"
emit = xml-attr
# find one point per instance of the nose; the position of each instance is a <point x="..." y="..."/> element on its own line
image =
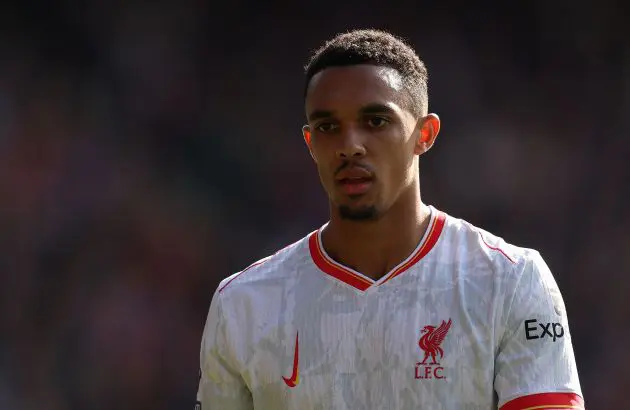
<point x="351" y="145"/>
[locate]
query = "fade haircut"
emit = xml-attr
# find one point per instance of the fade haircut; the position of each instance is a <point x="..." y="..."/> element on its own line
<point x="379" y="48"/>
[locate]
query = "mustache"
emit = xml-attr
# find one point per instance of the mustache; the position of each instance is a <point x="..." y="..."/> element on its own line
<point x="353" y="164"/>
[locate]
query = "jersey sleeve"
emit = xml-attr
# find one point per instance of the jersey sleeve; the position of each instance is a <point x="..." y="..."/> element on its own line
<point x="221" y="386"/>
<point x="535" y="364"/>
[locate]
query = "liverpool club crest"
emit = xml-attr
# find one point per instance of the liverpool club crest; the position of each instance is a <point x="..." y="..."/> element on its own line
<point x="430" y="343"/>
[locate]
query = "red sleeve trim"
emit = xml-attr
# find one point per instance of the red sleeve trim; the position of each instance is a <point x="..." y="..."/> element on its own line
<point x="545" y="401"/>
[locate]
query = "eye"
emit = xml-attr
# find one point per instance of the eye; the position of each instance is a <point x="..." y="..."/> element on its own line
<point x="326" y="127"/>
<point x="377" y="122"/>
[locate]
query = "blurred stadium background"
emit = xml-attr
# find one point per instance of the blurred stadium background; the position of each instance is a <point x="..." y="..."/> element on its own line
<point x="149" y="150"/>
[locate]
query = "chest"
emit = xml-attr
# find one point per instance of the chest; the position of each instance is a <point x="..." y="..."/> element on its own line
<point x="375" y="348"/>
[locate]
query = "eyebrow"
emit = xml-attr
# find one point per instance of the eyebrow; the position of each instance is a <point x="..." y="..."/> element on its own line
<point x="373" y="108"/>
<point x="376" y="108"/>
<point x="320" y="114"/>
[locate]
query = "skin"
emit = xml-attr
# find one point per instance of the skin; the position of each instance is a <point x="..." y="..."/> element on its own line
<point x="358" y="117"/>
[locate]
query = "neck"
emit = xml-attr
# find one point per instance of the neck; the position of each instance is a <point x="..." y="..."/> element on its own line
<point x="375" y="247"/>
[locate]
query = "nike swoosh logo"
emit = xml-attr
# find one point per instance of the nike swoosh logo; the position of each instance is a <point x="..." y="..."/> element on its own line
<point x="295" y="377"/>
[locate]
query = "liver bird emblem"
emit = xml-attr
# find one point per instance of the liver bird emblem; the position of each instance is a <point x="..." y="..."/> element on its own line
<point x="432" y="339"/>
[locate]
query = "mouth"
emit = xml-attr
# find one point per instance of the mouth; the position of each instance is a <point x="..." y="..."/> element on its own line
<point x="355" y="185"/>
<point x="354" y="179"/>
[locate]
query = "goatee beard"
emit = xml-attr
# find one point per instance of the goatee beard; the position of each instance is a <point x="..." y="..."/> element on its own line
<point x="368" y="213"/>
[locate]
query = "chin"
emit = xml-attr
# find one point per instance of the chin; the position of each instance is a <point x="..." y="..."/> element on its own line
<point x="359" y="213"/>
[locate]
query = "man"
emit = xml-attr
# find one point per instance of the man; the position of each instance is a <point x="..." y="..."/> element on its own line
<point x="392" y="304"/>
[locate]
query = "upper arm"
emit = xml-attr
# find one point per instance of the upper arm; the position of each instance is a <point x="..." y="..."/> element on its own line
<point x="220" y="383"/>
<point x="535" y="364"/>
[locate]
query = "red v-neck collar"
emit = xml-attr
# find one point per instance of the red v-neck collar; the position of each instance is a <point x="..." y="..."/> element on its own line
<point x="353" y="278"/>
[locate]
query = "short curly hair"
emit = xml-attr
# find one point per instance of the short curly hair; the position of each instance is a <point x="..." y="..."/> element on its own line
<point x="375" y="47"/>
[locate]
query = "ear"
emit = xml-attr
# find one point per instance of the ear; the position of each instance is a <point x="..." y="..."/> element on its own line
<point x="306" y="132"/>
<point x="429" y="130"/>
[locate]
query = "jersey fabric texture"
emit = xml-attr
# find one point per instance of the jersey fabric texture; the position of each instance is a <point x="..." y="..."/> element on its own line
<point x="466" y="322"/>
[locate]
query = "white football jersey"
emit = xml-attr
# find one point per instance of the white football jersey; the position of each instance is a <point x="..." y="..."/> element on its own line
<point x="466" y="322"/>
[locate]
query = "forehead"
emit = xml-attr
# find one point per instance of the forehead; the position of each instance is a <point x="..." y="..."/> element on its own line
<point x="347" y="89"/>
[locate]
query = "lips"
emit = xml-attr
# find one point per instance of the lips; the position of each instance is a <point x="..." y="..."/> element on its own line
<point x="354" y="173"/>
<point x="355" y="180"/>
<point x="356" y="186"/>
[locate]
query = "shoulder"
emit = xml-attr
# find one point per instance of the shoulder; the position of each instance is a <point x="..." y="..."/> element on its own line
<point x="517" y="276"/>
<point x="276" y="266"/>
<point x="477" y="248"/>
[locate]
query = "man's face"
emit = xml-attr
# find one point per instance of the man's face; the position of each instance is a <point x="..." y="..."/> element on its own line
<point x="362" y="137"/>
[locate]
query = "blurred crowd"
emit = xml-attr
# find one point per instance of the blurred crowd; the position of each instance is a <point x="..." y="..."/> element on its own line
<point x="148" y="151"/>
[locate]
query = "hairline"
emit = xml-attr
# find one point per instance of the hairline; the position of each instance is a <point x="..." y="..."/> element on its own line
<point x="408" y="102"/>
